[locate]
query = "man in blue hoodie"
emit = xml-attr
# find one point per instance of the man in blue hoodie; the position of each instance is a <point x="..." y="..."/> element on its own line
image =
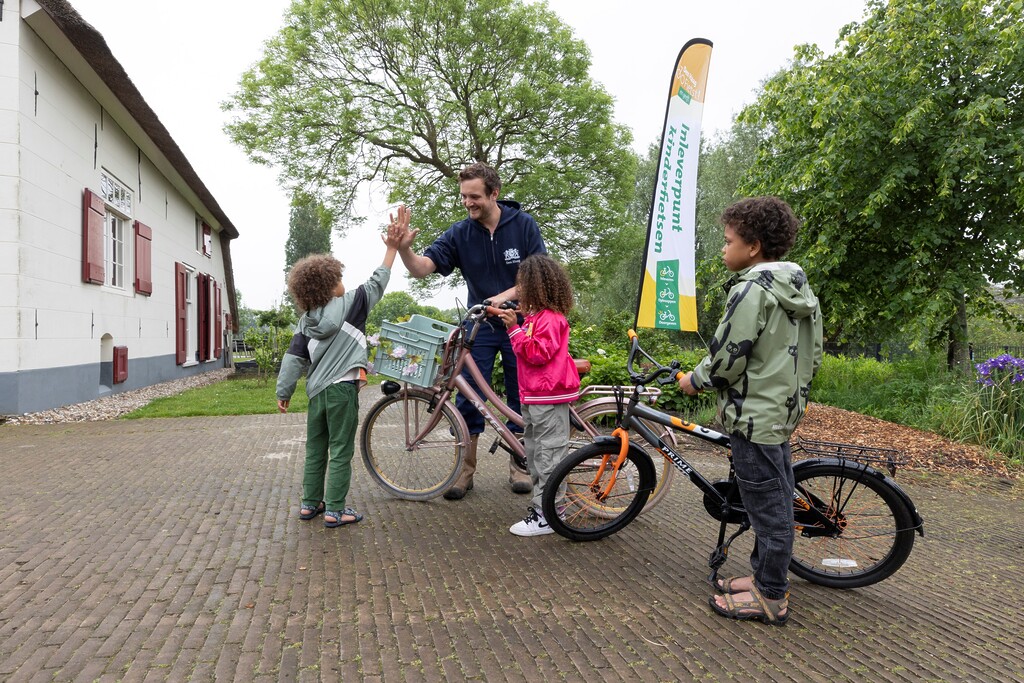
<point x="487" y="247"/>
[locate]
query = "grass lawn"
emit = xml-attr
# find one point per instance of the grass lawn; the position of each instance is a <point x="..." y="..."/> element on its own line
<point x="237" y="395"/>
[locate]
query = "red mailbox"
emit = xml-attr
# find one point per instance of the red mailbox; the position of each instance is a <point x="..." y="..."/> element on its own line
<point x="120" y="364"/>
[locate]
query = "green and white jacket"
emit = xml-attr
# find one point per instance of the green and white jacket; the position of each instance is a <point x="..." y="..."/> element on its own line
<point x="331" y="341"/>
<point x="765" y="352"/>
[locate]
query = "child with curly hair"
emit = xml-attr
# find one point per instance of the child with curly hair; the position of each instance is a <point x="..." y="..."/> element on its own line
<point x="330" y="342"/>
<point x="548" y="379"/>
<point x="761" y="360"/>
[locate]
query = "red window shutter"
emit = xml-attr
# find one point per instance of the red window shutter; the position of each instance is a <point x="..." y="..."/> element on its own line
<point x="218" y="329"/>
<point x="94" y="213"/>
<point x="143" y="259"/>
<point x="203" y="311"/>
<point x="180" y="311"/>
<point x="120" y="364"/>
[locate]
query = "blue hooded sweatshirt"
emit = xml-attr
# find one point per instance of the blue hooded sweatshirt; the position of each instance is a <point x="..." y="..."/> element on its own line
<point x="488" y="263"/>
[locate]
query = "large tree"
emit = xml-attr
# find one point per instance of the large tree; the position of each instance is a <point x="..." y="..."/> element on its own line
<point x="902" y="152"/>
<point x="411" y="91"/>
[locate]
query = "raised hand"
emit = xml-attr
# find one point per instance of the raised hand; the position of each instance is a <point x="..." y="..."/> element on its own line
<point x="399" y="230"/>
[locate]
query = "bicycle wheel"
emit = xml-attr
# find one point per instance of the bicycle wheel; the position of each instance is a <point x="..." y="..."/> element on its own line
<point x="586" y="498"/>
<point x="414" y="471"/>
<point x="876" y="528"/>
<point x="602" y="414"/>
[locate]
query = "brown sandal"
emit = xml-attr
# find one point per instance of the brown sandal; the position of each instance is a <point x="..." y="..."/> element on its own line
<point x="758" y="608"/>
<point x="725" y="585"/>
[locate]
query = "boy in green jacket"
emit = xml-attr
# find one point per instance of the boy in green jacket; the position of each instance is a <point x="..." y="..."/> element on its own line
<point x="330" y="341"/>
<point x="761" y="360"/>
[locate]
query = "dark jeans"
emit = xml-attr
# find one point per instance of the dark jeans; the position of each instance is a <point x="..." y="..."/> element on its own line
<point x="764" y="473"/>
<point x="491" y="339"/>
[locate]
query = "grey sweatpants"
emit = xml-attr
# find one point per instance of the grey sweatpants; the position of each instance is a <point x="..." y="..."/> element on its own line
<point x="546" y="436"/>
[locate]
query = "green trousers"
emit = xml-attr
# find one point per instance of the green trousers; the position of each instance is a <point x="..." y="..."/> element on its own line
<point x="330" y="442"/>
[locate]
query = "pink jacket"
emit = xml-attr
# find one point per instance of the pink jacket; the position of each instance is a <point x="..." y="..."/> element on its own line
<point x="547" y="373"/>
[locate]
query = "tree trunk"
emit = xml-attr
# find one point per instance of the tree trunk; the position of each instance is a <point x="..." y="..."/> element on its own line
<point x="956" y="352"/>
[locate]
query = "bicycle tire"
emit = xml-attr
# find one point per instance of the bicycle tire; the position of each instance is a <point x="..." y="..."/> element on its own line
<point x="602" y="413"/>
<point x="426" y="469"/>
<point x="571" y="504"/>
<point x="877" y="528"/>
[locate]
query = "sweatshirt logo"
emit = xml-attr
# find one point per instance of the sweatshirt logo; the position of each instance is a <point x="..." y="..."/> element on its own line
<point x="512" y="255"/>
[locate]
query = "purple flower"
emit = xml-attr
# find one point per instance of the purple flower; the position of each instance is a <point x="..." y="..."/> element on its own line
<point x="994" y="368"/>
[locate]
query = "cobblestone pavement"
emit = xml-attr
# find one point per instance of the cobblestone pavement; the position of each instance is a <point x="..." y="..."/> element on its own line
<point x="170" y="550"/>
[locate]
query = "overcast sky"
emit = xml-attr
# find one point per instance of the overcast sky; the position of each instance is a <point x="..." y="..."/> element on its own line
<point x="186" y="58"/>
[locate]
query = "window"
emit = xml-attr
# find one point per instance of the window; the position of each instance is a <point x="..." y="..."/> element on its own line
<point x="113" y="250"/>
<point x="204" y="238"/>
<point x="110" y="212"/>
<point x="190" y="313"/>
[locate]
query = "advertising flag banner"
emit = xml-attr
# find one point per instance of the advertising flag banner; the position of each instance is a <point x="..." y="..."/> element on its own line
<point x="668" y="287"/>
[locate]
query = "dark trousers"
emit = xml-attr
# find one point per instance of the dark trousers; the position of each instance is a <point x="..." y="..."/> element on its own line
<point x="764" y="473"/>
<point x="490" y="340"/>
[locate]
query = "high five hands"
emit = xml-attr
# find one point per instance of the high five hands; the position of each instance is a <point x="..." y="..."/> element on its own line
<point x="398" y="232"/>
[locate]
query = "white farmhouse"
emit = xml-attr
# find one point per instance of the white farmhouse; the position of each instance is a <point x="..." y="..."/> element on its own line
<point x="115" y="262"/>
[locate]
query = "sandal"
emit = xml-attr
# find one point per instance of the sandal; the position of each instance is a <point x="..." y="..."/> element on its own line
<point x="726" y="585"/>
<point x="758" y="608"/>
<point x="308" y="512"/>
<point x="337" y="520"/>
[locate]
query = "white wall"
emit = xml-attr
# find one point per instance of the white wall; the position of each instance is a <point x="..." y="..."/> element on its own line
<point x="52" y="318"/>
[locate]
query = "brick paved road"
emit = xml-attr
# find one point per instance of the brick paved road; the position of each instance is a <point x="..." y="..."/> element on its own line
<point x="169" y="550"/>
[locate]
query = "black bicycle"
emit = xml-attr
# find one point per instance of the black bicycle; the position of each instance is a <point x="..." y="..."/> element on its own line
<point x="854" y="525"/>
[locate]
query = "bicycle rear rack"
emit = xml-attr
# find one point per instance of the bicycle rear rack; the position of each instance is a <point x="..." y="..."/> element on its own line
<point x="649" y="394"/>
<point x="889" y="458"/>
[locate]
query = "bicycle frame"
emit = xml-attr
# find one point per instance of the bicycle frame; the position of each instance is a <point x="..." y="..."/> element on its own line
<point x="820" y="525"/>
<point x="453" y="371"/>
<point x="442" y="391"/>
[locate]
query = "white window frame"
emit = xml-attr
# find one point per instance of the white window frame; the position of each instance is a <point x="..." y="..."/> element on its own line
<point x="115" y="255"/>
<point x="203" y="248"/>
<point x="116" y="229"/>
<point x="191" y="340"/>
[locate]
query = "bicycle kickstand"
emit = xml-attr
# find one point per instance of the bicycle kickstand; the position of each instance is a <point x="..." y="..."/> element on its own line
<point x="719" y="554"/>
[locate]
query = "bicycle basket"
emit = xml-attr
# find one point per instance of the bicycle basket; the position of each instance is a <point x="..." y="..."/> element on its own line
<point x="409" y="351"/>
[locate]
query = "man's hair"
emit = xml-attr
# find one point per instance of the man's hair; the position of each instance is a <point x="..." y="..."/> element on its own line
<point x="543" y="283"/>
<point x="313" y="279"/>
<point x="767" y="220"/>
<point x="485" y="173"/>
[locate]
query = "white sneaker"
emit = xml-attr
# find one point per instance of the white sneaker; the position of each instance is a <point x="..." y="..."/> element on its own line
<point x="532" y="525"/>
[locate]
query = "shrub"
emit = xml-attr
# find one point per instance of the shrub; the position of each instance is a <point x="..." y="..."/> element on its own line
<point x="268" y="347"/>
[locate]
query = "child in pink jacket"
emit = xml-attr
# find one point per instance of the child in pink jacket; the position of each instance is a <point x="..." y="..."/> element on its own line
<point x="548" y="380"/>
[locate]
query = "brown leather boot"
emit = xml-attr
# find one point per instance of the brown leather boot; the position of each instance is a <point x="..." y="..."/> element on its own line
<point x="464" y="483"/>
<point x="521" y="481"/>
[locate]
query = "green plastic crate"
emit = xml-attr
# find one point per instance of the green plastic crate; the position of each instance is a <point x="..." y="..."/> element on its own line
<point x="411" y="351"/>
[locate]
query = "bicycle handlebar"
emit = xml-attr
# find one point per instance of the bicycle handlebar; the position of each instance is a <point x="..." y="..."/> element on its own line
<point x="672" y="369"/>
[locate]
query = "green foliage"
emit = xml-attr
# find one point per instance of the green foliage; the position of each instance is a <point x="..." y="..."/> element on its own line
<point x="608" y="366"/>
<point x="281" y="316"/>
<point x="268" y="348"/>
<point x="396" y="307"/>
<point x="246" y="315"/>
<point x="409" y="92"/>
<point x="236" y="395"/>
<point x="902" y="153"/>
<point x="916" y="391"/>
<point x="991" y="411"/>
<point x="309" y="230"/>
<point x="997" y="330"/>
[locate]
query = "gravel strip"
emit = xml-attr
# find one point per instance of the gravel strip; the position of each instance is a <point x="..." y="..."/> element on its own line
<point x="116" y="405"/>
